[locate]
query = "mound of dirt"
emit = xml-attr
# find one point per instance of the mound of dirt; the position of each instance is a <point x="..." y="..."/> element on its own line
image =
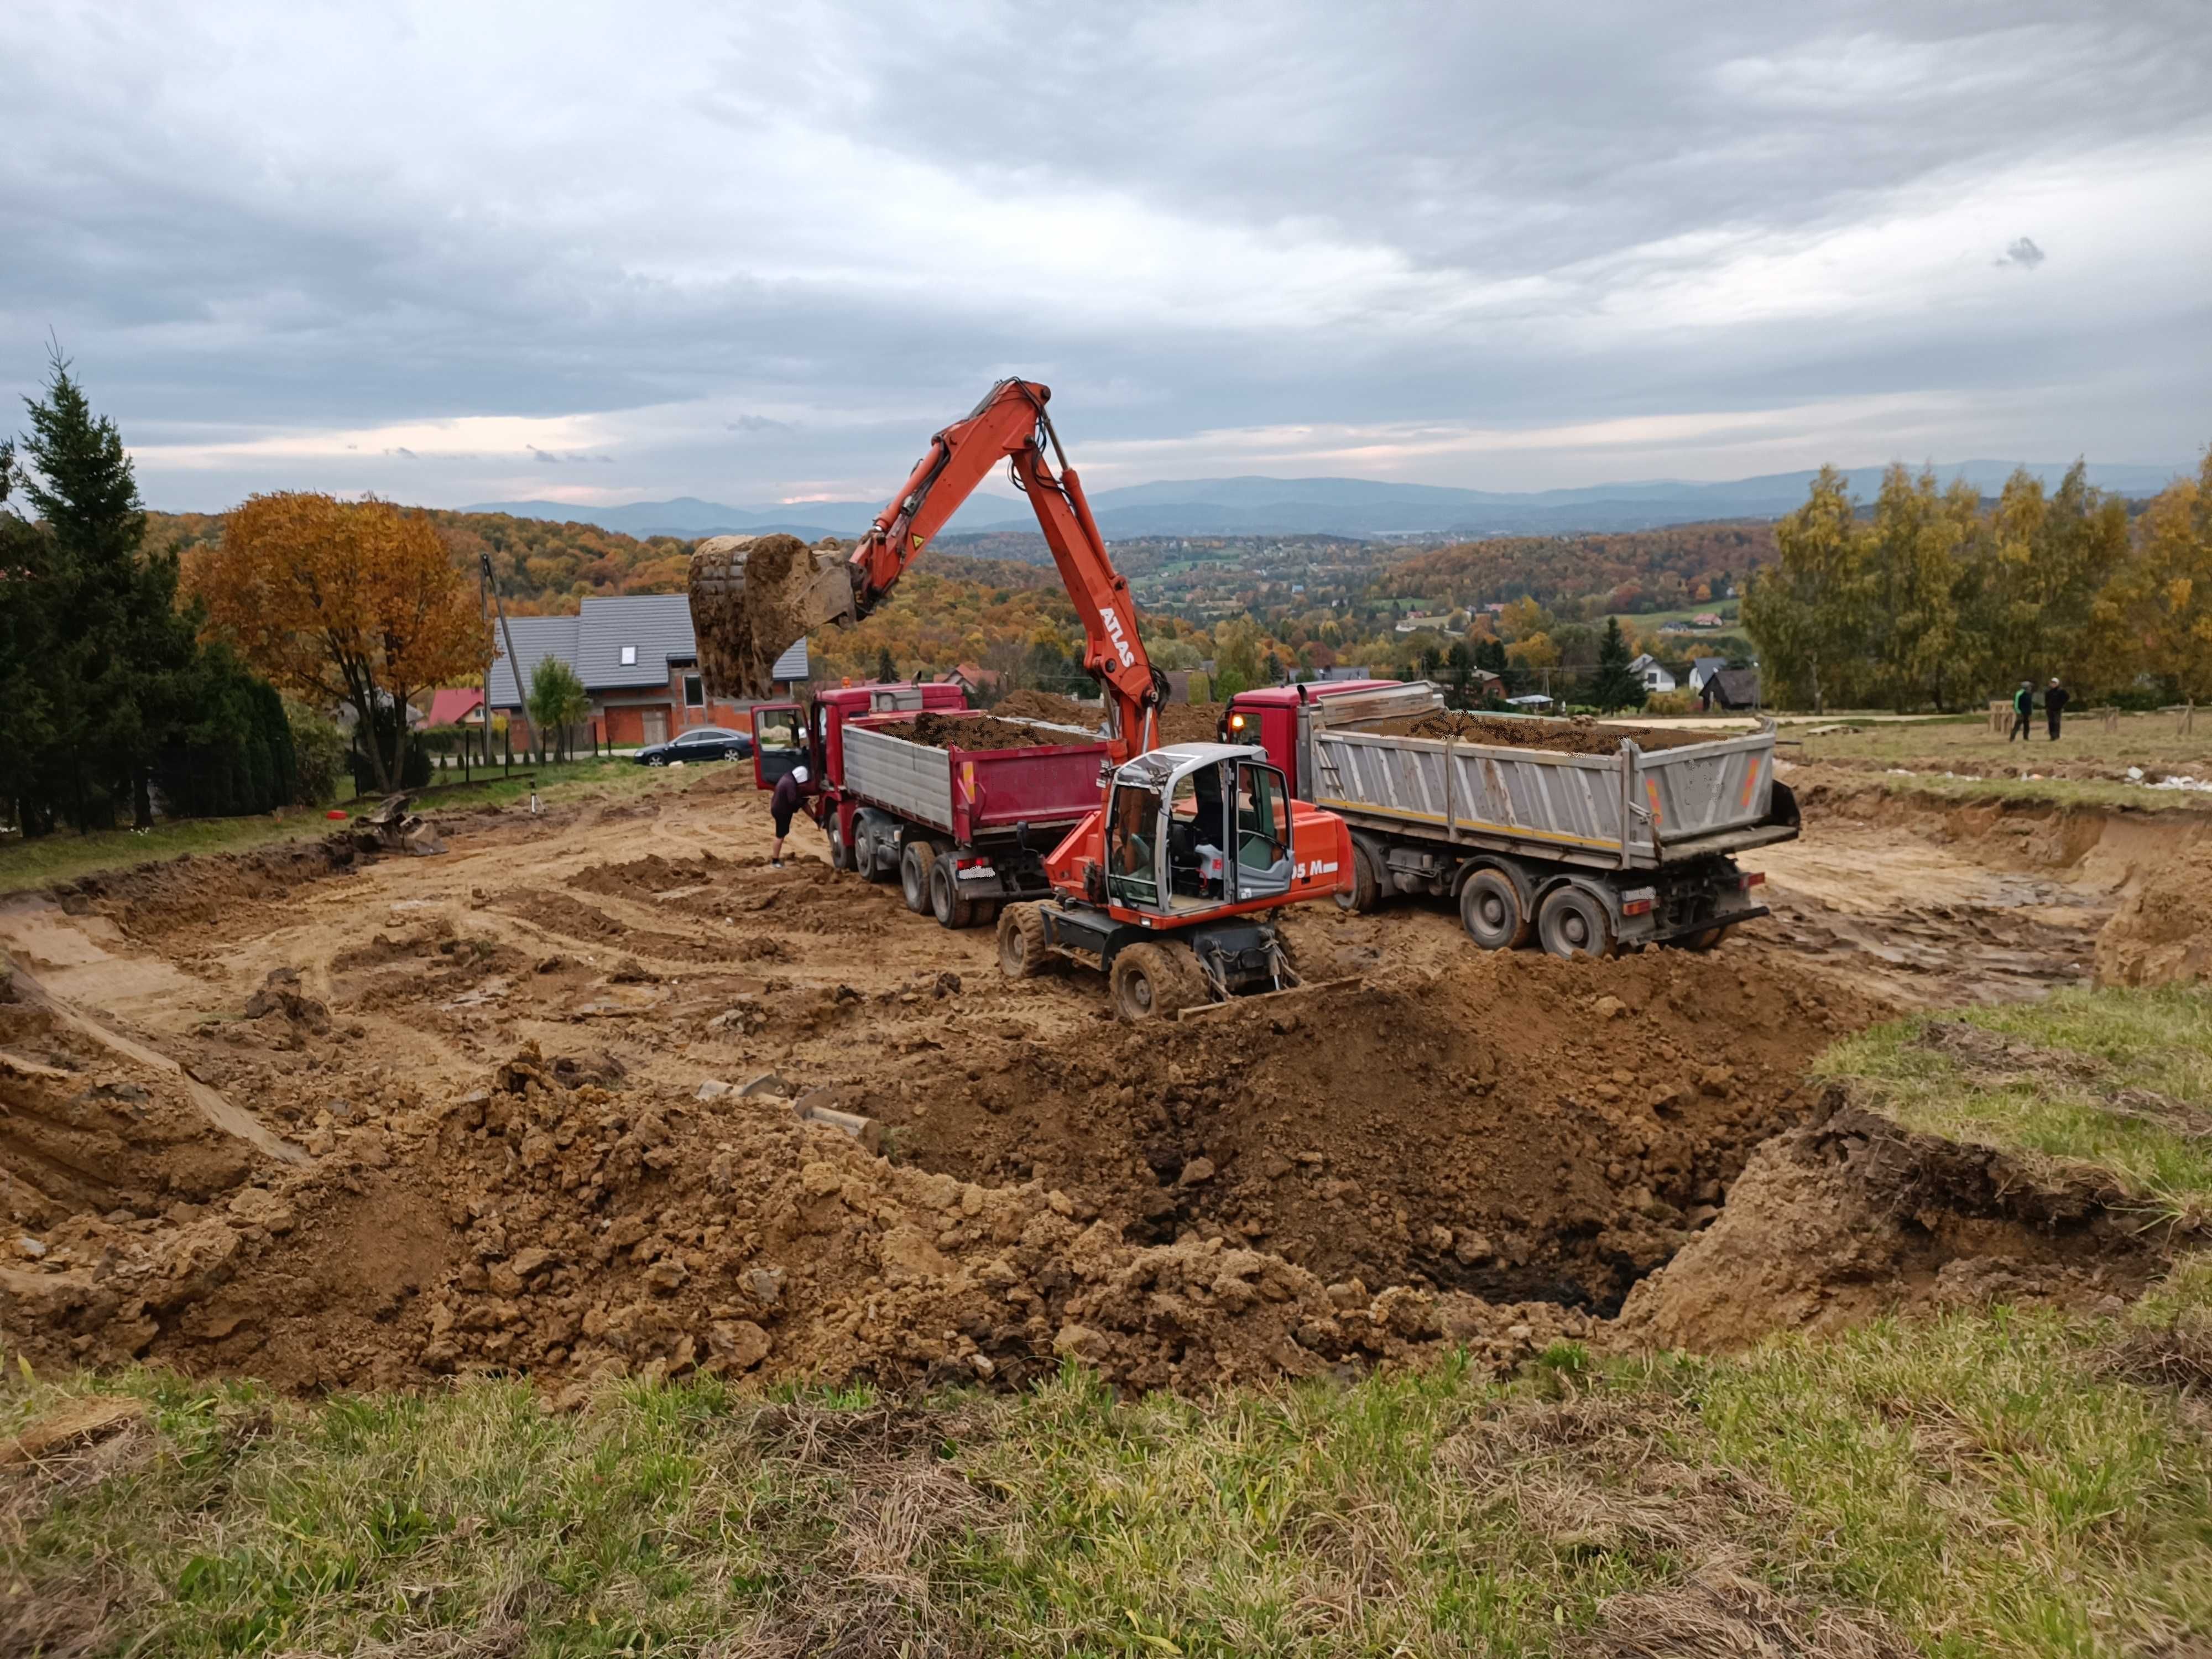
<point x="552" y="1226"/>
<point x="186" y="892"/>
<point x="1851" y="1217"/>
<point x="982" y="732"/>
<point x="1515" y="1127"/>
<point x="1044" y="705"/>
<point x="85" y="1131"/>
<point x="1579" y="736"/>
<point x="1191" y="722"/>
<point x="2162" y="932"/>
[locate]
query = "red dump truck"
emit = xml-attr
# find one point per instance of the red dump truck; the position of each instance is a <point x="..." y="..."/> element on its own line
<point x="964" y="830"/>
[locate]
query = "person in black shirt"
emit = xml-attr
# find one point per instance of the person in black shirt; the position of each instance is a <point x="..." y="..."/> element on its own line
<point x="790" y="790"/>
<point x="2054" y="701"/>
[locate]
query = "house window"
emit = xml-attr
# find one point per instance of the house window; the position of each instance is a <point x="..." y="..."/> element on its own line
<point x="695" y="691"/>
<point x="629" y="656"/>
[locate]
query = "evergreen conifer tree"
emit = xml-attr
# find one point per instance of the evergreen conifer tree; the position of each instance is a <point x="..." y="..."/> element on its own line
<point x="122" y="654"/>
<point x="1615" y="686"/>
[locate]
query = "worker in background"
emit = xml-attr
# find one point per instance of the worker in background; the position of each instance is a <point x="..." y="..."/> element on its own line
<point x="2023" y="706"/>
<point x="2055" y="701"/>
<point x="790" y="790"/>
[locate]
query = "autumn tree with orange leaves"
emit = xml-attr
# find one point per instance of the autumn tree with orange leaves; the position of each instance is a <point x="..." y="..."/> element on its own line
<point x="344" y="601"/>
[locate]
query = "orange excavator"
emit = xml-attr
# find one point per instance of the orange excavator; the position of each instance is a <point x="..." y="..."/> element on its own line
<point x="1170" y="886"/>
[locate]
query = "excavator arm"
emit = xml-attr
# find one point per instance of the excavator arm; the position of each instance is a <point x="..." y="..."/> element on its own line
<point x="745" y="617"/>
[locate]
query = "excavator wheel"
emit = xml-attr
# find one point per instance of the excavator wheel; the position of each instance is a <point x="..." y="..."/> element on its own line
<point x="1023" y="952"/>
<point x="914" y="866"/>
<point x="944" y="901"/>
<point x="1155" y="981"/>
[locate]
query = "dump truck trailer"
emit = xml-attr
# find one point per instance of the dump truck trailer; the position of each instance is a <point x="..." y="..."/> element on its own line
<point x="1585" y="854"/>
<point x="967" y="829"/>
<point x="964" y="830"/>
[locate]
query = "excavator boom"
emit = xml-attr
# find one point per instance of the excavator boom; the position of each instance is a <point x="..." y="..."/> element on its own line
<point x="751" y="596"/>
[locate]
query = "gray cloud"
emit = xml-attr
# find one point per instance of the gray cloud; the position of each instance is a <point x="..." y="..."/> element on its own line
<point x="1629" y="240"/>
<point x="2023" y="253"/>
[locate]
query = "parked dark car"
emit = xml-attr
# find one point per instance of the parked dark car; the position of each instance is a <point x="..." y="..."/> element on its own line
<point x="701" y="743"/>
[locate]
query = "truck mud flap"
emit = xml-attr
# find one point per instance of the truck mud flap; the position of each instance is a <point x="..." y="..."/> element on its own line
<point x="1317" y="988"/>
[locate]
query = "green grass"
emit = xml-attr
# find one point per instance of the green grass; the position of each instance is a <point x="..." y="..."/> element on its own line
<point x="1976" y="1484"/>
<point x="2117" y="1078"/>
<point x="65" y="855"/>
<point x="1941" y="742"/>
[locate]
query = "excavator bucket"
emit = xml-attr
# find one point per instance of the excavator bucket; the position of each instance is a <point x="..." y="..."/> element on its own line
<point x="754" y="597"/>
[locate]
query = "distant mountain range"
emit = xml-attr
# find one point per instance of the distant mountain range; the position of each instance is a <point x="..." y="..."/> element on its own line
<point x="1342" y="507"/>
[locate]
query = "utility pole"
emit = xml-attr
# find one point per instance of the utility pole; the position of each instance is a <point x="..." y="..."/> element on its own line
<point x="513" y="662"/>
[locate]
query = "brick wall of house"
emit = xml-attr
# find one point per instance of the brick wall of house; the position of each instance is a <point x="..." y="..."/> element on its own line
<point x="625" y="719"/>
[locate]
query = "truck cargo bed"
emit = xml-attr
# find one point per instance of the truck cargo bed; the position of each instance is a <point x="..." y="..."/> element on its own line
<point x="969" y="793"/>
<point x="1631" y="809"/>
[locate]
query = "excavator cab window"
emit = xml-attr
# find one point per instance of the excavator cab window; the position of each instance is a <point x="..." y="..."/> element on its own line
<point x="1263" y="832"/>
<point x="777" y="745"/>
<point x="1196" y="868"/>
<point x="1132" y="848"/>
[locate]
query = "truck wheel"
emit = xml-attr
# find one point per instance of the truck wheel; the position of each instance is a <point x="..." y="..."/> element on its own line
<point x="1490" y="909"/>
<point x="841" y="855"/>
<point x="1152" y="982"/>
<point x="1366" y="881"/>
<point x="1023" y="952"/>
<point x="1571" y="923"/>
<point x="914" y="866"/>
<point x="1708" y="939"/>
<point x="944" y="901"/>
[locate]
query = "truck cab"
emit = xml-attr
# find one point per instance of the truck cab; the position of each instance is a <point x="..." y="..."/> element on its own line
<point x="1269" y="717"/>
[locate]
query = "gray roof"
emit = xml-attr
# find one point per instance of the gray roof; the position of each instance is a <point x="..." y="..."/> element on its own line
<point x="536" y="638"/>
<point x="659" y="626"/>
<point x="1736" y="687"/>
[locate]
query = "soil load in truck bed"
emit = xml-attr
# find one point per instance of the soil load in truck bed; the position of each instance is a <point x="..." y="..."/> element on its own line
<point x="979" y="731"/>
<point x="1565" y="736"/>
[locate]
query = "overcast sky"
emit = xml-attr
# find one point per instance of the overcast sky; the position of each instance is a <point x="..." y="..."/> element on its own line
<point x="456" y="253"/>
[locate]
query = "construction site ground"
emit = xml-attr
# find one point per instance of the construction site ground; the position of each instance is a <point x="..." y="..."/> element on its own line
<point x="335" y="1120"/>
<point x="560" y="1108"/>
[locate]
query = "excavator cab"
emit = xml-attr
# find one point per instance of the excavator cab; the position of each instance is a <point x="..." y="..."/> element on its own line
<point x="1198" y="827"/>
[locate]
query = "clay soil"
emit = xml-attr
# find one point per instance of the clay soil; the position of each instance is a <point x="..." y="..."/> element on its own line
<point x="979" y="731"/>
<point x="1579" y="736"/>
<point x="338" y="1121"/>
<point x="1179" y="722"/>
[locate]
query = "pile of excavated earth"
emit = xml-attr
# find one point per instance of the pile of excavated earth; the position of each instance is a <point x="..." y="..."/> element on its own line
<point x="599" y="1092"/>
<point x="1578" y="736"/>
<point x="982" y="732"/>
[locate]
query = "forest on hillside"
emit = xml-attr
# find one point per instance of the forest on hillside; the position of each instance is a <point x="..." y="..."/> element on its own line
<point x="543" y="568"/>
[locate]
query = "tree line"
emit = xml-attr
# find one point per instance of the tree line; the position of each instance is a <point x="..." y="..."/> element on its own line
<point x="1936" y="598"/>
